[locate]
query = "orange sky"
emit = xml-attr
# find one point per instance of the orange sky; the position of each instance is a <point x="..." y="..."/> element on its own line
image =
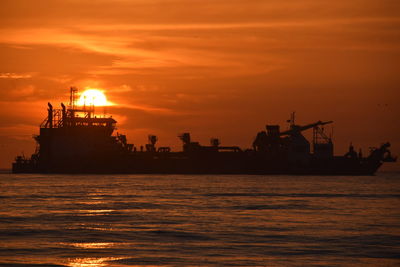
<point x="220" y="68"/>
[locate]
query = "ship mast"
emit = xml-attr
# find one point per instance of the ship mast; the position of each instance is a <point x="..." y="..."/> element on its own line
<point x="72" y="97"/>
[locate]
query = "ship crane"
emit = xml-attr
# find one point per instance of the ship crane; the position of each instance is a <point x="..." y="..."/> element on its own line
<point x="295" y="129"/>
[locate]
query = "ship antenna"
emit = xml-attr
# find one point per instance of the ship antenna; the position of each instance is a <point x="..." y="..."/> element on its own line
<point x="291" y="121"/>
<point x="72" y="99"/>
<point x="293" y="118"/>
<point x="93" y="103"/>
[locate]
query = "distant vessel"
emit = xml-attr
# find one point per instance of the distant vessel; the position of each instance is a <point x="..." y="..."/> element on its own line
<point x="74" y="140"/>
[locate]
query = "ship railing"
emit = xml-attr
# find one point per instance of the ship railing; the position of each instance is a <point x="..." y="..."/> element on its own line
<point x="57" y="115"/>
<point x="57" y="120"/>
<point x="44" y="123"/>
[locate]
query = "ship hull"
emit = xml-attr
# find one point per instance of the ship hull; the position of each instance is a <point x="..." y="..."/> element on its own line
<point x="209" y="165"/>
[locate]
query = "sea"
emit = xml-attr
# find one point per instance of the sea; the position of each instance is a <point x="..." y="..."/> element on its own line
<point x="199" y="220"/>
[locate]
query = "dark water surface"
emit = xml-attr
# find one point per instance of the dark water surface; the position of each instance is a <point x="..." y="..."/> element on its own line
<point x="199" y="220"/>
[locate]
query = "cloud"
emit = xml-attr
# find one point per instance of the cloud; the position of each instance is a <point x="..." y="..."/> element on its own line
<point x="144" y="46"/>
<point x="9" y="75"/>
<point x="146" y="108"/>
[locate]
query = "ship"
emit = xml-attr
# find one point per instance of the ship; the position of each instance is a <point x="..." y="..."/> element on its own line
<point x="73" y="139"/>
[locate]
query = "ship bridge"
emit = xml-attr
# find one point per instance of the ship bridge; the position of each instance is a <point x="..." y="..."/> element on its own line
<point x="76" y="132"/>
<point x="76" y="117"/>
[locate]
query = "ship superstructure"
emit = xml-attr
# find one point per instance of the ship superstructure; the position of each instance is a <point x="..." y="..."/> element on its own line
<point x="74" y="139"/>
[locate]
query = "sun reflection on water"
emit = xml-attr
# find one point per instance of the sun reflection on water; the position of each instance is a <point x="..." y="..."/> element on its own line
<point x="93" y="245"/>
<point x="94" y="212"/>
<point x="98" y="211"/>
<point x="91" y="262"/>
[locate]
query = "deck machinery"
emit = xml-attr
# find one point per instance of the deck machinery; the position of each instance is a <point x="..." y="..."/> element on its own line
<point x="74" y="139"/>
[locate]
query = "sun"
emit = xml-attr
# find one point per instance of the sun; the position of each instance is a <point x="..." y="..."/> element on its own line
<point x="93" y="97"/>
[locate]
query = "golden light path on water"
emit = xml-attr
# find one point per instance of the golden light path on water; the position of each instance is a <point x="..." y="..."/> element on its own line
<point x="199" y="220"/>
<point x="91" y="262"/>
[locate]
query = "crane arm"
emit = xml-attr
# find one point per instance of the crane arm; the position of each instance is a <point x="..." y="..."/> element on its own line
<point x="299" y="128"/>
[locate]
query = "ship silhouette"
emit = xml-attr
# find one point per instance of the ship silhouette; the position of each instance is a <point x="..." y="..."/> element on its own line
<point x="74" y="140"/>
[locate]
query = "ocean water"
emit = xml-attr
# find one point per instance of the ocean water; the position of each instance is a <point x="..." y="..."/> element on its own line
<point x="199" y="220"/>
